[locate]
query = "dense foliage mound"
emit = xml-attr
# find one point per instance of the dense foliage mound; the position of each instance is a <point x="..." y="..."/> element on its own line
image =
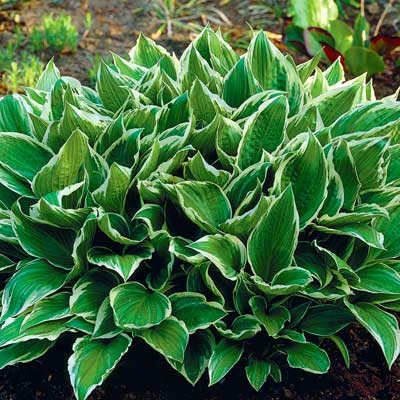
<point x="222" y="209"/>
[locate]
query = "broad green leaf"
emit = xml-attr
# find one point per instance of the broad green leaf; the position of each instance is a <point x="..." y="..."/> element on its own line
<point x="89" y="293"/>
<point x="147" y="53"/>
<point x="170" y="338"/>
<point x="136" y="307"/>
<point x="271" y="245"/>
<point x="93" y="360"/>
<point x="24" y="352"/>
<point x="111" y="195"/>
<point x="336" y="101"/>
<point x="195" y="311"/>
<point x="65" y="168"/>
<point x="226" y="252"/>
<point x="389" y="228"/>
<point x="125" y="265"/>
<point x="34" y="281"/>
<point x="197" y="355"/>
<point x="243" y="327"/>
<point x="381" y="325"/>
<point x="204" y="203"/>
<point x="52" y="244"/>
<point x="105" y="327"/>
<point x="224" y="357"/>
<point x="264" y="130"/>
<point x="287" y="281"/>
<point x="202" y="171"/>
<point x="370" y="160"/>
<point x="361" y="59"/>
<point x="48" y="309"/>
<point x="257" y="371"/>
<point x="363" y="232"/>
<point x="14" y="183"/>
<point x="48" y="77"/>
<point x="325" y="320"/>
<point x="16" y="149"/>
<point x="112" y="87"/>
<point x="273" y="70"/>
<point x="14" y="116"/>
<point x="308" y="357"/>
<point x="341" y="345"/>
<point x="378" y="278"/>
<point x="273" y="319"/>
<point x="306" y="172"/>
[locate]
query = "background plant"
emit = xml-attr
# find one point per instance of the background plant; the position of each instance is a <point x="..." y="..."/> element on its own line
<point x="316" y="27"/>
<point x="224" y="210"/>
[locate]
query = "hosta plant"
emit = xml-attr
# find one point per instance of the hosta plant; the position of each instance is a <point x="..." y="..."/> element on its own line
<point x="224" y="210"/>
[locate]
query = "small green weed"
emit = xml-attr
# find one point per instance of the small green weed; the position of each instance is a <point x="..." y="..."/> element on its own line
<point x="56" y="33"/>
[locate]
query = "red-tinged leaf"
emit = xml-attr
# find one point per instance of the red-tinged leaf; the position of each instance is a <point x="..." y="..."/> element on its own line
<point x="384" y="44"/>
<point x="332" y="55"/>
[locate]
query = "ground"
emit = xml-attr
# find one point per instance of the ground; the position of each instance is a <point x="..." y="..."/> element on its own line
<point x="143" y="375"/>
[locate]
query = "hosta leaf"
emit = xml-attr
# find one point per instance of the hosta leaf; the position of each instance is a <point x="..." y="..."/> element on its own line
<point x="272" y="319"/>
<point x="34" y="281"/>
<point x="287" y="281"/>
<point x="345" y="166"/>
<point x="308" y="13"/>
<point x="22" y="156"/>
<point x="111" y="87"/>
<point x="93" y="360"/>
<point x="111" y="195"/>
<point x="243" y="327"/>
<point x="378" y="278"/>
<point x="170" y="338"/>
<point x="147" y="53"/>
<point x="136" y="307"/>
<point x="65" y="168"/>
<point x="125" y="265"/>
<point x="341" y="345"/>
<point x="226" y="354"/>
<point x="381" y="325"/>
<point x="273" y="71"/>
<point x="226" y="252"/>
<point x="89" y="293"/>
<point x="389" y="228"/>
<point x="24" y="352"/>
<point x="52" y="244"/>
<point x="325" y="320"/>
<point x="308" y="357"/>
<point x="48" y="309"/>
<point x="105" y="327"/>
<point x="197" y="355"/>
<point x="194" y="310"/>
<point x="202" y="171"/>
<point x="204" y="203"/>
<point x="14" y="116"/>
<point x="264" y="130"/>
<point x="271" y="245"/>
<point x="257" y="371"/>
<point x="369" y="159"/>
<point x="48" y="77"/>
<point x="14" y="183"/>
<point x="306" y="172"/>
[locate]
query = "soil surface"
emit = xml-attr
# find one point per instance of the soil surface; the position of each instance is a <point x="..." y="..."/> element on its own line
<point x="142" y="374"/>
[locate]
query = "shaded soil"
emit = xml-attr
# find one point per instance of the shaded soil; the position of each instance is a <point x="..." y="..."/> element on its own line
<point x="144" y="375"/>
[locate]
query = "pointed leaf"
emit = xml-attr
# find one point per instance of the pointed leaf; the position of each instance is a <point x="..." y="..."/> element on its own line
<point x="308" y="357"/>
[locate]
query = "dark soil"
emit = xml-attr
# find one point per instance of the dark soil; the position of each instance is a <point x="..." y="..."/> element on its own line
<point x="142" y="374"/>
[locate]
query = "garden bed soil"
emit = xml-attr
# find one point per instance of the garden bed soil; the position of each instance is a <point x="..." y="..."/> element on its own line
<point x="142" y="374"/>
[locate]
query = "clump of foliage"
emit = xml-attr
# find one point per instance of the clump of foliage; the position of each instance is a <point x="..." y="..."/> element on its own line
<point x="316" y="27"/>
<point x="57" y="34"/>
<point x="223" y="210"/>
